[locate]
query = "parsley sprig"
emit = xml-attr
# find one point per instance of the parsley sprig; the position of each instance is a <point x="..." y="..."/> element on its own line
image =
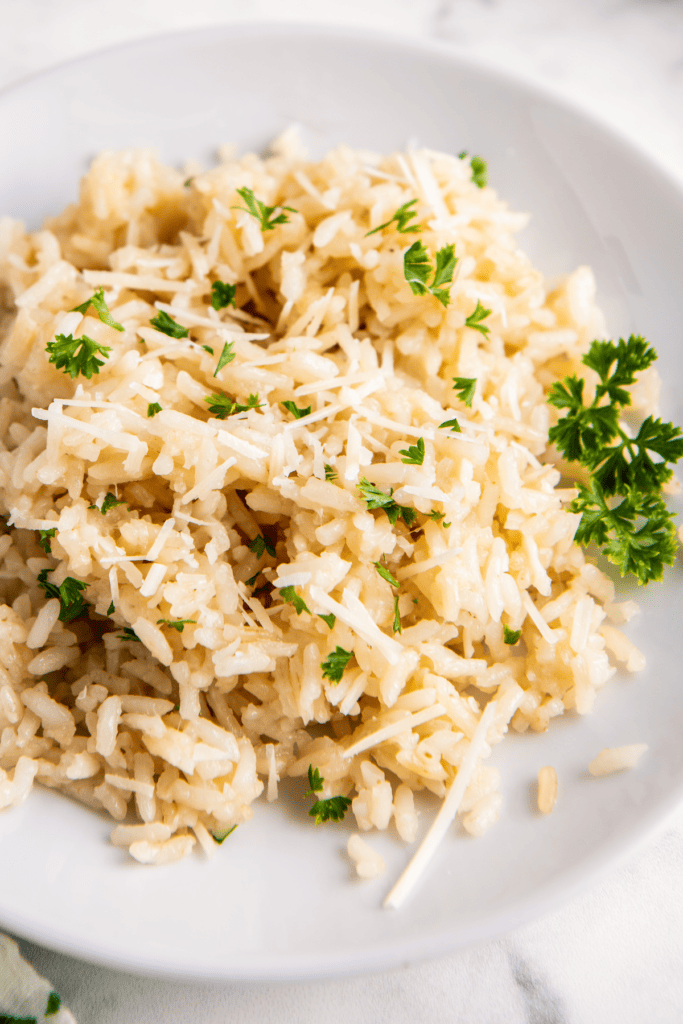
<point x="637" y="535"/>
<point x="76" y="355"/>
<point x="46" y="540"/>
<point x="401" y="218"/>
<point x="332" y="809"/>
<point x="222" y="294"/>
<point x="226" y="356"/>
<point x="297" y="413"/>
<point x="69" y="593"/>
<point x="262" y="213"/>
<point x="260" y="544"/>
<point x="417" y="268"/>
<point x="167" y="325"/>
<point x="335" y="664"/>
<point x="414" y="453"/>
<point x="465" y="386"/>
<point x="475" y="318"/>
<point x="98" y="303"/>
<point x="290" y="596"/>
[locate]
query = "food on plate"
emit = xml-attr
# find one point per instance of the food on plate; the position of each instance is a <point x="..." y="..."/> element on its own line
<point x="616" y="759"/>
<point x="279" y="496"/>
<point x="547" y="789"/>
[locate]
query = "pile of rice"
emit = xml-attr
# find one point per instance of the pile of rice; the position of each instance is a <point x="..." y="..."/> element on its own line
<point x="182" y="731"/>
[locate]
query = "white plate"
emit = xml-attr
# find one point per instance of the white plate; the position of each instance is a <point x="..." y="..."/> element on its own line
<point x="279" y="901"/>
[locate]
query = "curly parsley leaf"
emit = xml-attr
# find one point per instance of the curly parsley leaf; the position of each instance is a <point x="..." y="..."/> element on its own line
<point x="414" y="453"/>
<point x="475" y="318"/>
<point x="262" y="213"/>
<point x="480" y="171"/>
<point x="330" y="474"/>
<point x="98" y="303"/>
<point x="177" y="624"/>
<point x="69" y="593"/>
<point x="167" y="325"/>
<point x="76" y="355"/>
<point x="46" y="540"/>
<point x="385" y="574"/>
<point x="296" y="412"/>
<point x="401" y="218"/>
<point x="260" y="544"/>
<point x="417" y="268"/>
<point x="226" y="356"/>
<point x="332" y="809"/>
<point x="128" y="634"/>
<point x="397" y="616"/>
<point x="152" y="409"/>
<point x="221" y="406"/>
<point x="328" y="619"/>
<point x="465" y="386"/>
<point x="222" y="294"/>
<point x="290" y="595"/>
<point x="334" y="665"/>
<point x="511" y="636"/>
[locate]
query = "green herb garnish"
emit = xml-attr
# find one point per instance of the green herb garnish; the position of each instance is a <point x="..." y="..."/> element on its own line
<point x="417" y="268"/>
<point x="46" y="540"/>
<point x="152" y="409"/>
<point x="128" y="634"/>
<point x="401" y="218"/>
<point x="221" y="839"/>
<point x="177" y="624"/>
<point x="397" y="616"/>
<point x="221" y="406"/>
<point x="53" y="1004"/>
<point x="252" y="579"/>
<point x="328" y="619"/>
<point x="226" y="356"/>
<point x="414" y="454"/>
<point x="69" y="593"/>
<point x="480" y="171"/>
<point x="167" y="325"/>
<point x="207" y="348"/>
<point x="385" y="574"/>
<point x="262" y="213"/>
<point x="334" y="665"/>
<point x="222" y="294"/>
<point x="511" y="636"/>
<point x="375" y="498"/>
<point x="332" y="809"/>
<point x="330" y="474"/>
<point x="101" y="308"/>
<point x="466" y="386"/>
<point x="296" y="412"/>
<point x="111" y="609"/>
<point x="637" y="535"/>
<point x="475" y="318"/>
<point x="76" y="355"/>
<point x="260" y="544"/>
<point x="453" y="424"/>
<point x="290" y="595"/>
<point x="110" y="502"/>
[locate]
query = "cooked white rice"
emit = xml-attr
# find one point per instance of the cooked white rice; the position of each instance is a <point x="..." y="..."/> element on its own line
<point x="182" y="731"/>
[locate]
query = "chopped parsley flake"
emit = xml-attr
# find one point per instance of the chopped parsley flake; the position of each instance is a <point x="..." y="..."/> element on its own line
<point x="329" y="619"/>
<point x="128" y="634"/>
<point x="69" y="593"/>
<point x="414" y="454"/>
<point x="101" y="308"/>
<point x="207" y="348"/>
<point x="152" y="409"/>
<point x="76" y="355"/>
<point x="296" y="412"/>
<point x="111" y="609"/>
<point x="290" y="595"/>
<point x="221" y="406"/>
<point x="260" y="544"/>
<point x="466" y="386"/>
<point x="262" y="213"/>
<point x="480" y="171"/>
<point x="375" y="498"/>
<point x="110" y="502"/>
<point x="334" y="665"/>
<point x="177" y="624"/>
<point x="222" y="294"/>
<point x="46" y="539"/>
<point x="475" y="318"/>
<point x="397" y="616"/>
<point x="167" y="325"/>
<point x="252" y="579"/>
<point x="226" y="356"/>
<point x="330" y="474"/>
<point x="53" y="1004"/>
<point x="401" y="218"/>
<point x="385" y="574"/>
<point x="417" y="268"/>
<point x="453" y="424"/>
<point x="511" y="636"/>
<point x="332" y="809"/>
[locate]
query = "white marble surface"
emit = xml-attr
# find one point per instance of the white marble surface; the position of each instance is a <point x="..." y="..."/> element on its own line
<point x="616" y="953"/>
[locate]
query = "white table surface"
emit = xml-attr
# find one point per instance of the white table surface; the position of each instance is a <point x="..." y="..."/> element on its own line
<point x="614" y="955"/>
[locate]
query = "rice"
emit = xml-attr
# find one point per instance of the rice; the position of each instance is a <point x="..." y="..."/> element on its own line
<point x="238" y="552"/>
